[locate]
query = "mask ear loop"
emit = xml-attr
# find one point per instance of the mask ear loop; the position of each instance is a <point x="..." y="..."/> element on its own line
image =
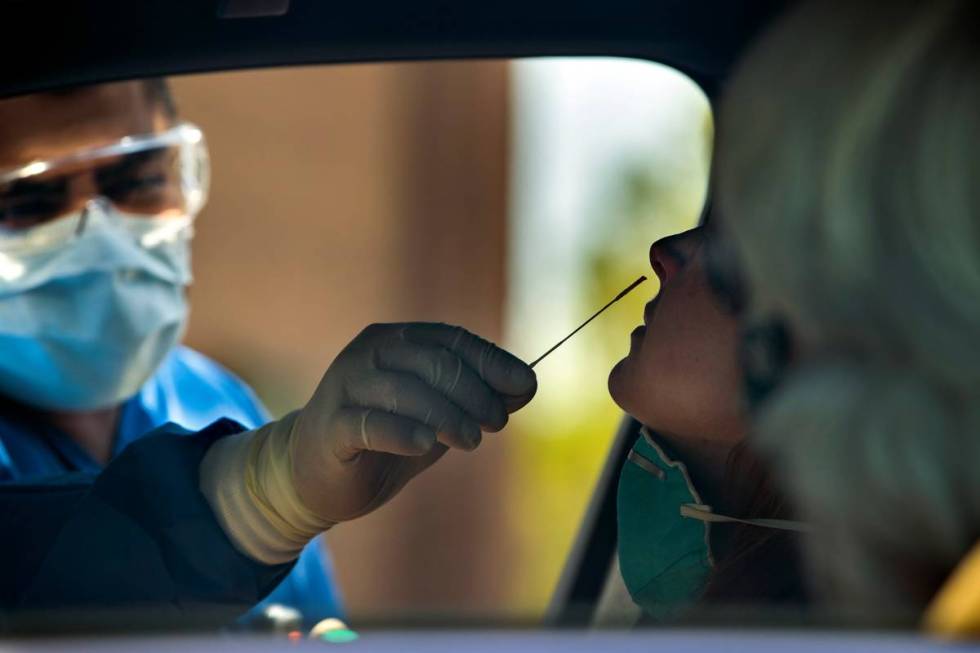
<point x="703" y="513"/>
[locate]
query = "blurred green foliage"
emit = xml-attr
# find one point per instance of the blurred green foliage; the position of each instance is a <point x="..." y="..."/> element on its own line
<point x="563" y="443"/>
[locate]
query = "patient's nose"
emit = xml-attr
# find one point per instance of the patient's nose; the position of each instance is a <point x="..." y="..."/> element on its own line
<point x="666" y="258"/>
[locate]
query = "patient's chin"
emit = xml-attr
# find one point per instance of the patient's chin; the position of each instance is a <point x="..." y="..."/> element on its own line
<point x="618" y="383"/>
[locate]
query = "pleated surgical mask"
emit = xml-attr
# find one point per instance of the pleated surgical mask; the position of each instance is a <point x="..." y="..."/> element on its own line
<point x="84" y="325"/>
<point x="663" y="525"/>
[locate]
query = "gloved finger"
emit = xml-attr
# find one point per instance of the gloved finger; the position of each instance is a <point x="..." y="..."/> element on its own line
<point x="447" y="373"/>
<point x="404" y="394"/>
<point x="368" y="429"/>
<point x="513" y="404"/>
<point x="418" y="464"/>
<point x="503" y="371"/>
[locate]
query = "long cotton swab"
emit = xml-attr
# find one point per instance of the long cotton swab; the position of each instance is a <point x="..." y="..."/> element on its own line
<point x="615" y="299"/>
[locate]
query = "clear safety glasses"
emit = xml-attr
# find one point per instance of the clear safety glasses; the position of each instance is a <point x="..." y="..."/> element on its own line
<point x="44" y="203"/>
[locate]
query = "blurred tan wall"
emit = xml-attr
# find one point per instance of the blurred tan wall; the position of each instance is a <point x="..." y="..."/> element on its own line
<point x="348" y="195"/>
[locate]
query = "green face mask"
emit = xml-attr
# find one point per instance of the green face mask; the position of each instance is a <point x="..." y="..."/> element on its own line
<point x="663" y="527"/>
<point x="664" y="557"/>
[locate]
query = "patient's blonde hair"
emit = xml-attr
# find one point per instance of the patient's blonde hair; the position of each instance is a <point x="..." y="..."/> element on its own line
<point x="849" y="178"/>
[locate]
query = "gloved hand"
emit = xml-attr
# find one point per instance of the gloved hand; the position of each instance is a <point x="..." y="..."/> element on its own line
<point x="390" y="405"/>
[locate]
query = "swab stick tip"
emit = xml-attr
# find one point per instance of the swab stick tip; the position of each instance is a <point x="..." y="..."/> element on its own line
<point x="615" y="299"/>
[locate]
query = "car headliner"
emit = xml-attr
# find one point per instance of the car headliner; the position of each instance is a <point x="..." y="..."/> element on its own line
<point x="68" y="42"/>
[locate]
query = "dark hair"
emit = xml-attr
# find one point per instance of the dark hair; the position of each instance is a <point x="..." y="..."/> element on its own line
<point x="755" y="566"/>
<point x="155" y="89"/>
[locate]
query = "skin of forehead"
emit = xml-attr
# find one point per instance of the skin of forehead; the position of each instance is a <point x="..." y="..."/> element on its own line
<point x="51" y="125"/>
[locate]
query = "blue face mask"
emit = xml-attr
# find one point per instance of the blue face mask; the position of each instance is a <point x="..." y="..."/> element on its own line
<point x="85" y="324"/>
<point x="664" y="531"/>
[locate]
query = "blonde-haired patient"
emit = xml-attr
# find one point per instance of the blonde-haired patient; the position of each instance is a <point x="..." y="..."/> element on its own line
<point x="848" y="178"/>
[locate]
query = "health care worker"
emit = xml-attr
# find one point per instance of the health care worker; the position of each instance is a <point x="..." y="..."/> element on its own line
<point x="99" y="188"/>
<point x="99" y="191"/>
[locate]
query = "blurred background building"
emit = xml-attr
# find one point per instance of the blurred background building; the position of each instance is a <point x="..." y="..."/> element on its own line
<point x="510" y="197"/>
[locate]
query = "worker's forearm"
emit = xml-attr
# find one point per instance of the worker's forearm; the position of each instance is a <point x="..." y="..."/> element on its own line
<point x="138" y="534"/>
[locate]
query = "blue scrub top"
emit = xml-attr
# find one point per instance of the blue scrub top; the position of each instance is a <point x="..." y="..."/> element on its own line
<point x="189" y="390"/>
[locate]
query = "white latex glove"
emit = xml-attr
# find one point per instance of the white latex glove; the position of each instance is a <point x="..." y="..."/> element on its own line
<point x="390" y="405"/>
